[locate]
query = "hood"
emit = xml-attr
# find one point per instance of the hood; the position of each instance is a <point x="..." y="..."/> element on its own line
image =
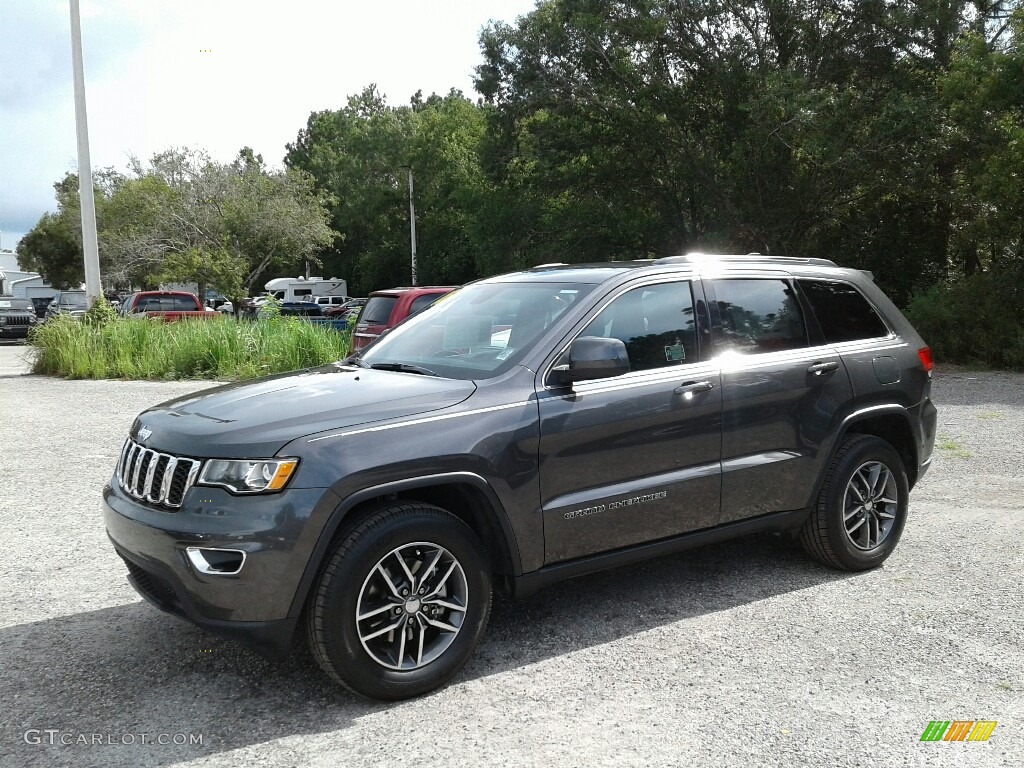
<point x="256" y="419"/>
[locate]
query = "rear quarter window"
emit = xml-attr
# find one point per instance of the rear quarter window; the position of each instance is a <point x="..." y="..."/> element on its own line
<point x="842" y="311"/>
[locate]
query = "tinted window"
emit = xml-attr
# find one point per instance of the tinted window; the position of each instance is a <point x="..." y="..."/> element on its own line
<point x="378" y="310"/>
<point x="758" y="316"/>
<point x="424" y="301"/>
<point x="842" y="312"/>
<point x="302" y="310"/>
<point x="76" y="300"/>
<point x="655" y="322"/>
<point x="18" y="304"/>
<point x="166" y="304"/>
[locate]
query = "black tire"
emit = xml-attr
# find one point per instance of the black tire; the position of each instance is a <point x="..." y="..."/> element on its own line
<point x="848" y="503"/>
<point x="400" y="537"/>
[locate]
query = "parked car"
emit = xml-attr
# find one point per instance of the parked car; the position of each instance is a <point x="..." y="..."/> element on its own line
<point x="40" y="303"/>
<point x="17" y="317"/>
<point x="168" y="306"/>
<point x="69" y="303"/>
<point x="296" y="309"/>
<point x="329" y="301"/>
<point x="529" y="428"/>
<point x="308" y="311"/>
<point x="386" y="309"/>
<point x="348" y="309"/>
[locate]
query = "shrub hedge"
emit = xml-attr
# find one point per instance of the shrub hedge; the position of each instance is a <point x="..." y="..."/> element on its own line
<point x="218" y="348"/>
<point x="977" y="320"/>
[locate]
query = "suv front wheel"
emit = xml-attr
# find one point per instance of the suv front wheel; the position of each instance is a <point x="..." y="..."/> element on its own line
<point x="401" y="604"/>
<point x="861" y="508"/>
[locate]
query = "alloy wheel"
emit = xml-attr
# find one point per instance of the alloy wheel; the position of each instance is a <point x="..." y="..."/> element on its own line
<point x="870" y="505"/>
<point x="412" y="606"/>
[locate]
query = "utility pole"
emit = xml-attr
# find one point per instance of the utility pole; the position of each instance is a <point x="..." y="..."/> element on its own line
<point x="412" y="227"/>
<point x="85" y="194"/>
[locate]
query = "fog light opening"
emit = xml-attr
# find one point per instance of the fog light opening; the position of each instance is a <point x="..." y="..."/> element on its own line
<point x="220" y="562"/>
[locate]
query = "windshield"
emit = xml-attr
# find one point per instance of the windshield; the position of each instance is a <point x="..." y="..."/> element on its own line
<point x="477" y="332"/>
<point x="19" y="304"/>
<point x="76" y="300"/>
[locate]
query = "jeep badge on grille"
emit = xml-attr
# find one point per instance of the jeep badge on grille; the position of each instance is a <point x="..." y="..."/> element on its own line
<point x="144" y="434"/>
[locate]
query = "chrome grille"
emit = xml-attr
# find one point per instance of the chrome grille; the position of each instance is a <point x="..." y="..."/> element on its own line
<point x="154" y="477"/>
<point x="19" y="320"/>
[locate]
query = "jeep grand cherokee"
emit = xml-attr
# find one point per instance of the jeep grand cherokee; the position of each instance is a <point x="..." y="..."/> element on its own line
<point x="533" y="427"/>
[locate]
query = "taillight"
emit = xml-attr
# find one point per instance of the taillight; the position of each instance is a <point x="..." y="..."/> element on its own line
<point x="925" y="353"/>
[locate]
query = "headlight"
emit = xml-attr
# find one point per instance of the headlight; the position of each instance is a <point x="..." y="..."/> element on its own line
<point x="3" y="320"/>
<point x="248" y="475"/>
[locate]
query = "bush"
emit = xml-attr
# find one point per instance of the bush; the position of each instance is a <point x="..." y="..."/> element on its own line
<point x="100" y="313"/>
<point x="139" y="348"/>
<point x="975" y="320"/>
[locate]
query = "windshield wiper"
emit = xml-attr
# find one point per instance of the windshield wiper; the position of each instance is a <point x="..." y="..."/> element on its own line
<point x="355" y="360"/>
<point x="403" y="367"/>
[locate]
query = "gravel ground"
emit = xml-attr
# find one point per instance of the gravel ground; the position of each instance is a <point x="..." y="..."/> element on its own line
<point x="741" y="654"/>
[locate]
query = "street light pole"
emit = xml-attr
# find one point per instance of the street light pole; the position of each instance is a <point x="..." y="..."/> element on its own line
<point x="412" y="227"/>
<point x="85" y="194"/>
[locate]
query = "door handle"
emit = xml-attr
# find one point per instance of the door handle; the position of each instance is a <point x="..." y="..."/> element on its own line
<point x="691" y="388"/>
<point x="821" y="368"/>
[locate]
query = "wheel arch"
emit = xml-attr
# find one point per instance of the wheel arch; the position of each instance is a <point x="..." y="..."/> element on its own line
<point x="892" y="425"/>
<point x="466" y="495"/>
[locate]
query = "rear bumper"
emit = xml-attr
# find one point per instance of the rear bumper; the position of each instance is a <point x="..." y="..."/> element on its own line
<point x="925" y="415"/>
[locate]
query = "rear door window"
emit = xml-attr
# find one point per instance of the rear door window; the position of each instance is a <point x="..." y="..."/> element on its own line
<point x="378" y="310"/>
<point x="758" y="316"/>
<point x="842" y="311"/>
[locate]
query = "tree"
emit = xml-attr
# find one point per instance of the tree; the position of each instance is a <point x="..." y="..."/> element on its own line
<point x="653" y="127"/>
<point x="53" y="247"/>
<point x="360" y="156"/>
<point x="186" y="218"/>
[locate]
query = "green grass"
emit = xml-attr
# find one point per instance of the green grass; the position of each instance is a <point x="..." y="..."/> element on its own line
<point x="951" y="448"/>
<point x="218" y="348"/>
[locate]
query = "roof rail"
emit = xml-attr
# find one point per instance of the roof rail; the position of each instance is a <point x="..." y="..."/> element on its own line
<point x="693" y="258"/>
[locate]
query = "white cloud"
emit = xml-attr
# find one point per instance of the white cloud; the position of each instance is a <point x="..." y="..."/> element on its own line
<point x="215" y="74"/>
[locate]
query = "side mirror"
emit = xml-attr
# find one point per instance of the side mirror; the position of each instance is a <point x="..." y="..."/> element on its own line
<point x="593" y="357"/>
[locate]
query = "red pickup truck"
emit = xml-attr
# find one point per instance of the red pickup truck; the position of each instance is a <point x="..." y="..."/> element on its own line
<point x="165" y="305"/>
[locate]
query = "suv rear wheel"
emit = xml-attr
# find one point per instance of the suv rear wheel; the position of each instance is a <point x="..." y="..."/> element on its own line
<point x="402" y="603"/>
<point x="861" y="508"/>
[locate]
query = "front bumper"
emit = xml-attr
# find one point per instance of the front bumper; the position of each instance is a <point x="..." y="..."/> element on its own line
<point x="256" y="606"/>
<point x="15" y="331"/>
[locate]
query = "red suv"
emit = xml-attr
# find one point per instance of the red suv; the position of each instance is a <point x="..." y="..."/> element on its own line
<point x="386" y="309"/>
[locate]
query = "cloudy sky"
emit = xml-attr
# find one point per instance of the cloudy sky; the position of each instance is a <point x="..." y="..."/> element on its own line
<point x="213" y="74"/>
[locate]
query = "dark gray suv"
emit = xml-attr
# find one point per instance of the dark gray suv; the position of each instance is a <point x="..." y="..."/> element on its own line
<point x="528" y="428"/>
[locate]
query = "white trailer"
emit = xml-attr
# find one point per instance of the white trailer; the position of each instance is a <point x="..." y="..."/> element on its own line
<point x="306" y="289"/>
